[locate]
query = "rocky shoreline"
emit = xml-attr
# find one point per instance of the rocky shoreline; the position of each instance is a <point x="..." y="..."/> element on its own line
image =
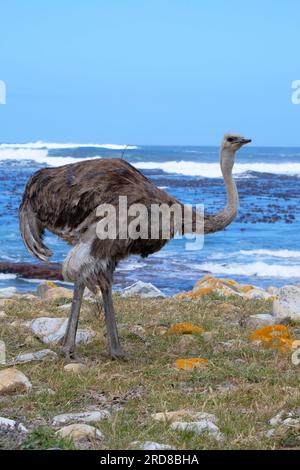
<point x="50" y="271"/>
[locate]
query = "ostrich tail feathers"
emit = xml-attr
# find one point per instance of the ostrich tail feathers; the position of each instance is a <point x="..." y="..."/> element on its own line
<point x="32" y="232"/>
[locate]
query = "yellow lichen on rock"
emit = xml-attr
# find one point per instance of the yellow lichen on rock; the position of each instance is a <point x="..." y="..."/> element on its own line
<point x="273" y="336"/>
<point x="185" y="328"/>
<point x="224" y="287"/>
<point x="51" y="284"/>
<point x="189" y="364"/>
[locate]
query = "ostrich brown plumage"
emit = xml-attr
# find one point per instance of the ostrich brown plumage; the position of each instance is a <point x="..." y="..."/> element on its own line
<point x="64" y="200"/>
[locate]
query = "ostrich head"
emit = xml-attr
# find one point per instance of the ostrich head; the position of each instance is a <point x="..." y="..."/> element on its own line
<point x="230" y="145"/>
<point x="233" y="142"/>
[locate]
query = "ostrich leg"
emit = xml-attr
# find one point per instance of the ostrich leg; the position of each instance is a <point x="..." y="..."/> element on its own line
<point x="69" y="340"/>
<point x="115" y="349"/>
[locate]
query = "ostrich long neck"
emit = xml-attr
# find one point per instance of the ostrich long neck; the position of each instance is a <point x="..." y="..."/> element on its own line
<point x="217" y="222"/>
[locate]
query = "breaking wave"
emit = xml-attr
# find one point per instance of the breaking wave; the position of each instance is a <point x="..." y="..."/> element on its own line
<point x="38" y="156"/>
<point x="259" y="269"/>
<point x="212" y="170"/>
<point x="4" y="276"/>
<point x="272" y="253"/>
<point x="261" y="253"/>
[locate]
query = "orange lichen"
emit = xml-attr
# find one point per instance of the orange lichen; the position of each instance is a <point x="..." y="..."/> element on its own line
<point x="224" y="287"/>
<point x="185" y="328"/>
<point x="273" y="336"/>
<point x="246" y="288"/>
<point x="230" y="282"/>
<point x="201" y="292"/>
<point x="188" y="364"/>
<point x="195" y="294"/>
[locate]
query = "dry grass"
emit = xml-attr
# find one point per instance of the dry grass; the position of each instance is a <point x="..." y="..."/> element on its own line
<point x="244" y="385"/>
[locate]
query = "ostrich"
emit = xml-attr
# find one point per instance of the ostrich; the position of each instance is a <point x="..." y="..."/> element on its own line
<point x="64" y="200"/>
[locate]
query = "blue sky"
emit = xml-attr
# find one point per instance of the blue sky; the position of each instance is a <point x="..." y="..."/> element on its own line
<point x="149" y="72"/>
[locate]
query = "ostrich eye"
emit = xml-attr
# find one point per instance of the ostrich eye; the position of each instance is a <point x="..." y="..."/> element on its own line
<point x="231" y="139"/>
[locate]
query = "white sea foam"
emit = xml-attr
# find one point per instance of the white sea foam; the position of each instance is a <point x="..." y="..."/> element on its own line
<point x="22" y="154"/>
<point x="130" y="266"/>
<point x="55" y="145"/>
<point x="258" y="269"/>
<point x="5" y="277"/>
<point x="39" y="156"/>
<point x="271" y="253"/>
<point x="261" y="253"/>
<point x="212" y="170"/>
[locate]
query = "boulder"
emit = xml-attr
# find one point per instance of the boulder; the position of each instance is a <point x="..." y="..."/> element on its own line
<point x="44" y="354"/>
<point x="2" y="314"/>
<point x="13" y="381"/>
<point x="7" y="292"/>
<point x="142" y="289"/>
<point x="52" y="330"/>
<point x="287" y="304"/>
<point x="84" y="417"/>
<point x="198" y="428"/>
<point x="12" y="425"/>
<point x="80" y="432"/>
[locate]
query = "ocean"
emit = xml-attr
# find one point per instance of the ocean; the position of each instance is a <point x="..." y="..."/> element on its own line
<point x="260" y="247"/>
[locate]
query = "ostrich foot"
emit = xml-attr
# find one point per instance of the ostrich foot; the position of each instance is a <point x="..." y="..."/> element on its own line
<point x="119" y="355"/>
<point x="70" y="355"/>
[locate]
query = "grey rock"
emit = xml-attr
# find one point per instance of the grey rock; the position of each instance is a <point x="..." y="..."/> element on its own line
<point x="84" y="417"/>
<point x="277" y="419"/>
<point x="2" y="353"/>
<point x="150" y="445"/>
<point x="52" y="330"/>
<point x="288" y="303"/>
<point x="142" y="289"/>
<point x="44" y="354"/>
<point x="6" y="423"/>
<point x="270" y="433"/>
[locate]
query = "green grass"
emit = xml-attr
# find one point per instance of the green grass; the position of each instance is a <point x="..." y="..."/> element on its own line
<point x="244" y="385"/>
<point x="44" y="437"/>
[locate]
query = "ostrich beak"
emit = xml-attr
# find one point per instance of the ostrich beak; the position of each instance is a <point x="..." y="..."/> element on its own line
<point x="245" y="141"/>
